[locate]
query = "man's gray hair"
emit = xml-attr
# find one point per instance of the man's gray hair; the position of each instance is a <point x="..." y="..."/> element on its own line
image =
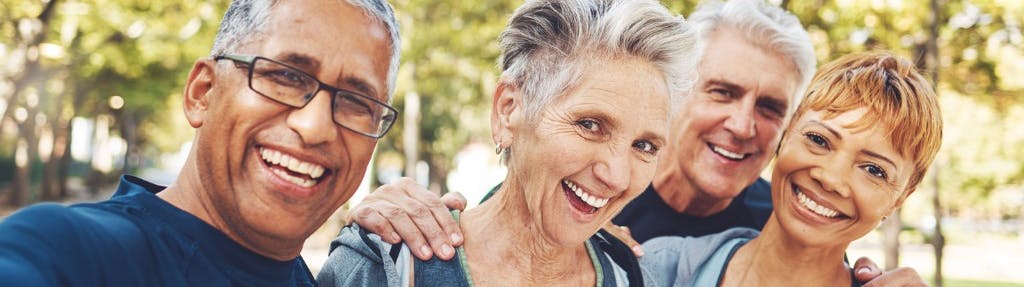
<point x="763" y="25"/>
<point x="244" y="20"/>
<point x="548" y="44"/>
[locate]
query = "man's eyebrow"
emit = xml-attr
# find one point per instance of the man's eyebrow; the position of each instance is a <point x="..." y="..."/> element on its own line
<point x="363" y="87"/>
<point x="312" y="65"/>
<point x="726" y="84"/>
<point x="732" y="87"/>
<point x="301" y="61"/>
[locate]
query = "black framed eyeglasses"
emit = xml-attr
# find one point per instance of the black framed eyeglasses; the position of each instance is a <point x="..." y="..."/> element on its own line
<point x="288" y="85"/>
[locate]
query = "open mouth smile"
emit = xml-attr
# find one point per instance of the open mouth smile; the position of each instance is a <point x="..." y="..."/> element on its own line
<point x="814" y="206"/>
<point x="301" y="173"/>
<point x="581" y="200"/>
<point x="736" y="156"/>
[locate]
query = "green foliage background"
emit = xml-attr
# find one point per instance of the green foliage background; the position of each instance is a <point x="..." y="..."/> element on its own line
<point x="142" y="50"/>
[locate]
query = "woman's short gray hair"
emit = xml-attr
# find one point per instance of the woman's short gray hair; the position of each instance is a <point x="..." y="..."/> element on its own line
<point x="244" y="20"/>
<point x="548" y="42"/>
<point x="767" y="26"/>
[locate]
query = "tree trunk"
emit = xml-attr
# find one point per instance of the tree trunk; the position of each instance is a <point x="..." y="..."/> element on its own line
<point x="19" y="183"/>
<point x="26" y="154"/>
<point x="64" y="164"/>
<point x="938" y="239"/>
<point x="438" y="177"/>
<point x="55" y="170"/>
<point x="411" y="133"/>
<point x="130" y="165"/>
<point x="46" y="186"/>
<point x="891" y="240"/>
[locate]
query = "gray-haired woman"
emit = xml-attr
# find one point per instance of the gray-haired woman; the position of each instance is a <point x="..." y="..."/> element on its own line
<point x="586" y="92"/>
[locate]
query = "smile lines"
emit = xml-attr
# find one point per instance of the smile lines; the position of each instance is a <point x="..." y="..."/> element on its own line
<point x="304" y="174"/>
<point x="592" y="200"/>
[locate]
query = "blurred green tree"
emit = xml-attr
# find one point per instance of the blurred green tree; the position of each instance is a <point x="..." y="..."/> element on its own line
<point x="449" y="62"/>
<point x="67" y="59"/>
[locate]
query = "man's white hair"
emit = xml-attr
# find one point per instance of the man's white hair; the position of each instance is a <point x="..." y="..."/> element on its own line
<point x="245" y="19"/>
<point x="763" y="25"/>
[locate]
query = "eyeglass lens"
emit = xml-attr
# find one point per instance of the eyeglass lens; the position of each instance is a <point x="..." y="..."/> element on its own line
<point x="296" y="89"/>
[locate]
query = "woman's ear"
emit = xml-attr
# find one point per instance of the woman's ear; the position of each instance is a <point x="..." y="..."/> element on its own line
<point x="899" y="201"/>
<point x="504" y="107"/>
<point x="197" y="89"/>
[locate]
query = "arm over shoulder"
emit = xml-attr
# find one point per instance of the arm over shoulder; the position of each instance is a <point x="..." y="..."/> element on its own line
<point x="358" y="258"/>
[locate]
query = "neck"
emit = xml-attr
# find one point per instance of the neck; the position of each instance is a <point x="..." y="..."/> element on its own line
<point x="760" y="261"/>
<point x="190" y="195"/>
<point x="680" y="193"/>
<point x="503" y="243"/>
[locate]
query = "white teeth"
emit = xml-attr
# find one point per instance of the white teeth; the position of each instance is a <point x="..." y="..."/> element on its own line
<point x="297" y="181"/>
<point x="726" y="153"/>
<point x="814" y="206"/>
<point x="590" y="199"/>
<point x="314" y="171"/>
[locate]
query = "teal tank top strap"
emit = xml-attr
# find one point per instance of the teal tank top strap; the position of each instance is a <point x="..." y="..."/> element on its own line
<point x="710" y="273"/>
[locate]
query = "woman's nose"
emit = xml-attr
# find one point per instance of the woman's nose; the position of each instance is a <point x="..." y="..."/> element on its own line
<point x="832" y="178"/>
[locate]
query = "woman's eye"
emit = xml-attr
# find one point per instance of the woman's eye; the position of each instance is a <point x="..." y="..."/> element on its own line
<point x="817" y="139"/>
<point x="589" y="125"/>
<point x="646" y="147"/>
<point x="876" y="171"/>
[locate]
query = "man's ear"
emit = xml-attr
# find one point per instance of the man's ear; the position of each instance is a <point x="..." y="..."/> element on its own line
<point x="504" y="107"/>
<point x="197" y="89"/>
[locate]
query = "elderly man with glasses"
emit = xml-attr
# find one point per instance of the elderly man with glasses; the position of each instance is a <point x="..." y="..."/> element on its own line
<point x="287" y="112"/>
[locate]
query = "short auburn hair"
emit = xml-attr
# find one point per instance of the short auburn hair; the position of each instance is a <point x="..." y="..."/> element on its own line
<point x="894" y="93"/>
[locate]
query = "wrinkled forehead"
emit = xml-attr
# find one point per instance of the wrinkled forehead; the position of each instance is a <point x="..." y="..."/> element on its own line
<point x="339" y="43"/>
<point x="728" y="53"/>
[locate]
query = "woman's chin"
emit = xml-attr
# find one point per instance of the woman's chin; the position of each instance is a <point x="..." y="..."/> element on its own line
<point x="580" y="228"/>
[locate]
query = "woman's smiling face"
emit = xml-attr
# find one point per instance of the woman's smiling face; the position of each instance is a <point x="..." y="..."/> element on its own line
<point x="591" y="150"/>
<point x="834" y="181"/>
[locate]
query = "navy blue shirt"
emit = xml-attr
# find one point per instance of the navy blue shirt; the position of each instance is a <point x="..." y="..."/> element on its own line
<point x="648" y="216"/>
<point x="133" y="239"/>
